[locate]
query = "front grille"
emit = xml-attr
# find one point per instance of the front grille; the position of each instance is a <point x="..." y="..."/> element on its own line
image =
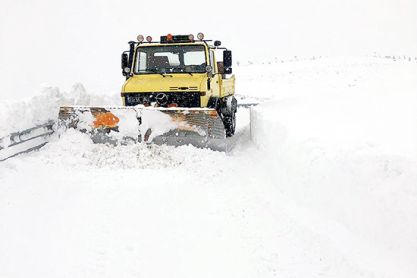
<point x="164" y="99"/>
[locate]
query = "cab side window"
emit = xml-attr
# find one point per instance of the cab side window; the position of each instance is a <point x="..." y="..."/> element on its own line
<point x="212" y="61"/>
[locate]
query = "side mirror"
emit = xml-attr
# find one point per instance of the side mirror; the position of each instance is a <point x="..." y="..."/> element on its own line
<point x="227" y="59"/>
<point x="125" y="63"/>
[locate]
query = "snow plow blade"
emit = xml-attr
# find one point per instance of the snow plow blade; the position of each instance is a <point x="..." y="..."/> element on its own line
<point x="200" y="127"/>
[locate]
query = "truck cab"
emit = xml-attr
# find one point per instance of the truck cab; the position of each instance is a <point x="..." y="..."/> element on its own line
<point x="180" y="71"/>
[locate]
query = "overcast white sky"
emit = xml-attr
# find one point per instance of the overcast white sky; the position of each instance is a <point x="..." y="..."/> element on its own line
<point x="62" y="42"/>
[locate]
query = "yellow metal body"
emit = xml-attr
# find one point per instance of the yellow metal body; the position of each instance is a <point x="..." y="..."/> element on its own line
<point x="197" y="82"/>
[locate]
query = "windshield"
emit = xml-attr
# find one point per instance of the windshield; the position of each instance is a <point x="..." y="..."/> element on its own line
<point x="171" y="59"/>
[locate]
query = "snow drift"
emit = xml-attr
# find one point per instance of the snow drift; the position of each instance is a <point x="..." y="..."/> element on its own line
<point x="350" y="155"/>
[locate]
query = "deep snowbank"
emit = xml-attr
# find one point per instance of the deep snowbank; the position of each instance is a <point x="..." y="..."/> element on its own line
<point x="76" y="150"/>
<point x="348" y="161"/>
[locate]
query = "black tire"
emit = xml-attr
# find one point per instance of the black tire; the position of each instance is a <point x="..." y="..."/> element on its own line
<point x="229" y="122"/>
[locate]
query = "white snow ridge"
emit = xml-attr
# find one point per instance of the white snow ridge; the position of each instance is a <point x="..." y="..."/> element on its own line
<point x="322" y="182"/>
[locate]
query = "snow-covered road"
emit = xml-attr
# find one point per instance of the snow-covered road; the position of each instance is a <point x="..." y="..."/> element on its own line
<point x="322" y="183"/>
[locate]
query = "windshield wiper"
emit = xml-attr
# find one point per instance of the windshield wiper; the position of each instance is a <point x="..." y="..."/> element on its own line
<point x="156" y="71"/>
<point x="181" y="70"/>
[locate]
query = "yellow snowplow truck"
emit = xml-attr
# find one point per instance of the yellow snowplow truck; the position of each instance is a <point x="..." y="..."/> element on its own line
<point x="176" y="92"/>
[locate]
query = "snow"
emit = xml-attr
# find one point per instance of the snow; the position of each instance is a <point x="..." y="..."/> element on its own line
<point x="156" y="121"/>
<point x="322" y="182"/>
<point x="23" y="114"/>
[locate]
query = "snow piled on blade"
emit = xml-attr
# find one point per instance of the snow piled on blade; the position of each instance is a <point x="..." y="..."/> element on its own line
<point x="156" y="121"/>
<point x="16" y="116"/>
